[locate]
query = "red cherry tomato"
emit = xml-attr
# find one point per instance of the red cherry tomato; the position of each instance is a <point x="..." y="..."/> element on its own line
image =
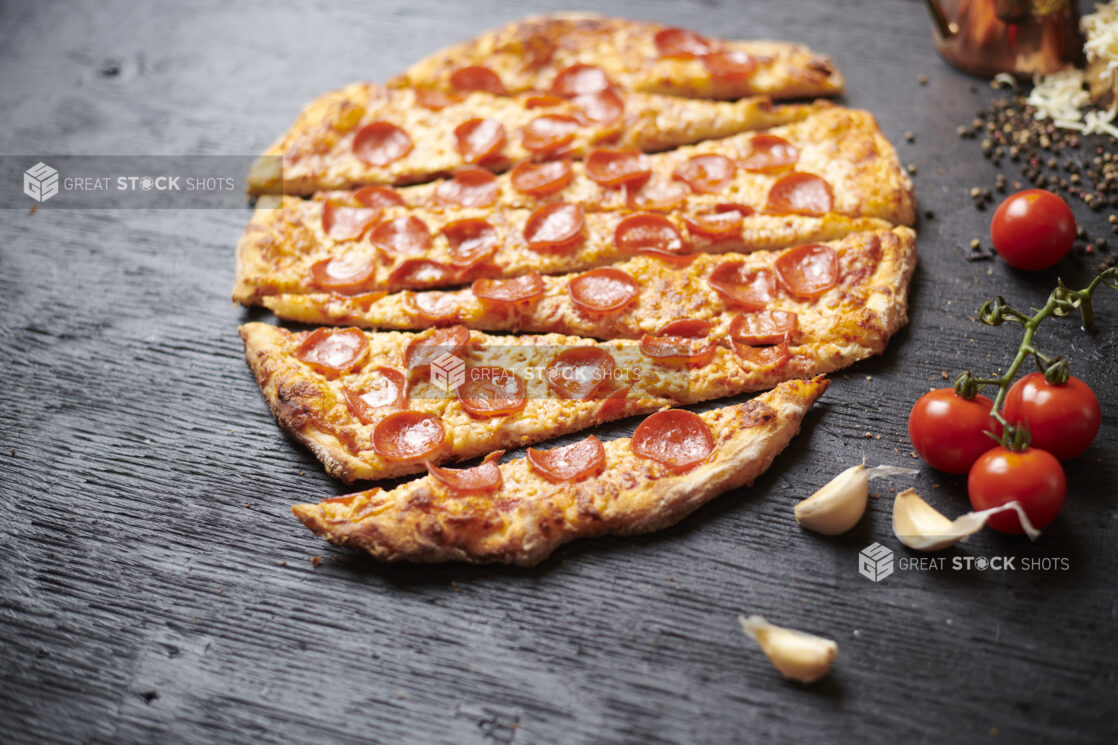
<point x="1033" y="229"/>
<point x="1063" y="419"/>
<point x="1032" y="477"/>
<point x="948" y="432"/>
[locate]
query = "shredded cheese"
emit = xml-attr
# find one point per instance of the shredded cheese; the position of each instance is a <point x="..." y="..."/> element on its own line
<point x="1059" y="97"/>
<point x="1101" y="28"/>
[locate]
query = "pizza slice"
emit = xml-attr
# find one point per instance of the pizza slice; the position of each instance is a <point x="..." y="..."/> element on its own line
<point x="367" y="133"/>
<point x="519" y="512"/>
<point x="378" y="404"/>
<point x="860" y="172"/>
<point x="797" y="288"/>
<point x="584" y="53"/>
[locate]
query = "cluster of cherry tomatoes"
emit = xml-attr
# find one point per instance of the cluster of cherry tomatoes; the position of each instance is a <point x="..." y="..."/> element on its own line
<point x="1033" y="229"/>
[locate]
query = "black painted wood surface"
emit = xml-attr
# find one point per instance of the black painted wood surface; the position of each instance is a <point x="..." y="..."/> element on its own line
<point x="154" y="587"/>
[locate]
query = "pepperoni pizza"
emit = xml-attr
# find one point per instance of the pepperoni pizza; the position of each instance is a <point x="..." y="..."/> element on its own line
<point x="820" y="285"/>
<point x="583" y="53"/>
<point x="369" y="134"/>
<point x="373" y="405"/>
<point x="519" y="512"/>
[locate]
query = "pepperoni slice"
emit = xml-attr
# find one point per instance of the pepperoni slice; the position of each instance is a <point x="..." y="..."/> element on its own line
<point x="492" y="391"/>
<point x="424" y="350"/>
<point x="602" y="290"/>
<point x="408" y="436"/>
<point x="477" y="139"/>
<point x="333" y="351"/>
<point x="436" y="307"/>
<point x="421" y="273"/>
<point x="403" y="235"/>
<point x="436" y="100"/>
<point x="773" y="356"/>
<point x="569" y="463"/>
<point x="678" y="42"/>
<point x="610" y="167"/>
<point x="378" y="196"/>
<point x="801" y="194"/>
<point x="576" y="80"/>
<point x="477" y="480"/>
<point x="387" y="391"/>
<point x="648" y="233"/>
<point x="516" y="290"/>
<point x="477" y="78"/>
<point x="717" y="224"/>
<point x="550" y="133"/>
<point x="769" y="153"/>
<point x="540" y="179"/>
<point x="660" y="196"/>
<point x="729" y="66"/>
<point x="808" y="271"/>
<point x="677" y="439"/>
<point x="344" y="275"/>
<point x="708" y="174"/>
<point x="741" y="287"/>
<point x="604" y="107"/>
<point x="764" y="327"/>
<point x="471" y="241"/>
<point x="613" y="405"/>
<point x="580" y="373"/>
<point x="681" y="342"/>
<point x="345" y="223"/>
<point x="470" y="187"/>
<point x="554" y="225"/>
<point x="542" y="101"/>
<point x="381" y="143"/>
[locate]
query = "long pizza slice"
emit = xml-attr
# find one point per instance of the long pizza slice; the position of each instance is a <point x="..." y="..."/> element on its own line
<point x="378" y="404"/>
<point x="797" y="288"/>
<point x="583" y="52"/>
<point x="844" y="147"/>
<point x="367" y="133"/>
<point x="519" y="512"/>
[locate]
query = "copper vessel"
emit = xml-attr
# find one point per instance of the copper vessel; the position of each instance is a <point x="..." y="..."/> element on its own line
<point x="1019" y="37"/>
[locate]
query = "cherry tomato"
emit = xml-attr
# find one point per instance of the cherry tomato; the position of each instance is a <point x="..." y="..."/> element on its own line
<point x="1063" y="419"/>
<point x="948" y="431"/>
<point x="1032" y="477"/>
<point x="1033" y="229"/>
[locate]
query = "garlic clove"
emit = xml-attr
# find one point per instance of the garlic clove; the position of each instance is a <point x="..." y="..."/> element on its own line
<point x="920" y="526"/>
<point x="797" y="655"/>
<point x="838" y="506"/>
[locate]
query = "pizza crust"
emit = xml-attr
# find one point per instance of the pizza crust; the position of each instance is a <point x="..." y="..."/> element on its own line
<point x="529" y="517"/>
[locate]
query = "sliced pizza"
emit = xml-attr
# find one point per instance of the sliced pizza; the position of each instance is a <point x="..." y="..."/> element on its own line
<point x="369" y="134"/>
<point x="858" y="175"/>
<point x="798" y="288"/>
<point x="570" y="54"/>
<point x="378" y="404"/>
<point x="519" y="512"/>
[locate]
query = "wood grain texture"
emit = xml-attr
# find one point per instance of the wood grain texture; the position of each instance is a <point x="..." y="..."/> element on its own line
<point x="156" y="589"/>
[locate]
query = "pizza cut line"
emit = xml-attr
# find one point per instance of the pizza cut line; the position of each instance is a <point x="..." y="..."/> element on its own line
<point x="367" y="133"/>
<point x="798" y="288"/>
<point x="585" y="52"/>
<point x="519" y="512"/>
<point x="370" y="404"/>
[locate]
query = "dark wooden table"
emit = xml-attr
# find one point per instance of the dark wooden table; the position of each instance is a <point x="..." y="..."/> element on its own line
<point x="154" y="587"/>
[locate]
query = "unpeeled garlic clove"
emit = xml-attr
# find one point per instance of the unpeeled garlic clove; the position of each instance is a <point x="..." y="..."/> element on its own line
<point x="797" y="655"/>
<point x="920" y="526"/>
<point x="840" y="504"/>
